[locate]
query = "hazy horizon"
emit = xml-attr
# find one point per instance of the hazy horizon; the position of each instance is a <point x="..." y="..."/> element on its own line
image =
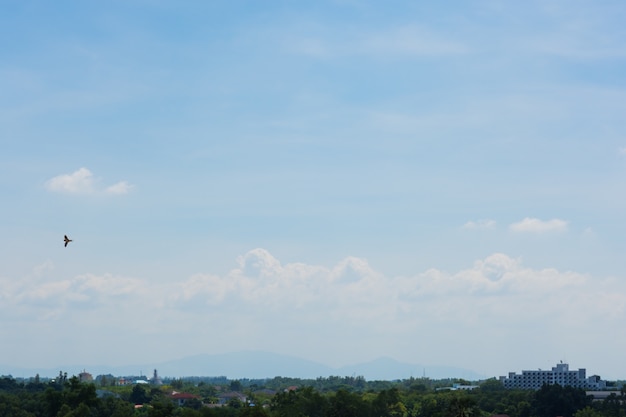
<point x="342" y="179"/>
<point x="252" y="364"/>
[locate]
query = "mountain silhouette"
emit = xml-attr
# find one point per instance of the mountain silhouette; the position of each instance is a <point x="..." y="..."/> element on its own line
<point x="256" y="364"/>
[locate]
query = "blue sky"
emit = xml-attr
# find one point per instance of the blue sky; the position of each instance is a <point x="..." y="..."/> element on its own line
<point x="337" y="180"/>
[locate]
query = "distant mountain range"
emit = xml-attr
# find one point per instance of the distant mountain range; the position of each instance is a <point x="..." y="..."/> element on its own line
<point x="256" y="365"/>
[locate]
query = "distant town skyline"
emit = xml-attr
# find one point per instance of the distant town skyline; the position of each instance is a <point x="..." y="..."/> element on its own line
<point x="336" y="180"/>
<point x="267" y="365"/>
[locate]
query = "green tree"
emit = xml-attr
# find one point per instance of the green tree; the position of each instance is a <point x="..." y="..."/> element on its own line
<point x="492" y="385"/>
<point x="235" y="403"/>
<point x="554" y="400"/>
<point x="10" y="406"/>
<point x="611" y="406"/>
<point x="587" y="412"/>
<point x="253" y="412"/>
<point x="303" y="401"/>
<point x="8" y="384"/>
<point x="81" y="411"/>
<point x="193" y="403"/>
<point x="462" y="406"/>
<point x="429" y="405"/>
<point x="388" y="404"/>
<point x="519" y="409"/>
<point x="115" y="407"/>
<point x="138" y="395"/>
<point x="187" y="412"/>
<point x="347" y="404"/>
<point x="53" y="400"/>
<point x="236" y="385"/>
<point x="162" y="407"/>
<point x="77" y="393"/>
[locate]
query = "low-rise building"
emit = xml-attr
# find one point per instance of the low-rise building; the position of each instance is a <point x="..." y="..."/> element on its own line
<point x="225" y="398"/>
<point x="458" y="387"/>
<point x="181" y="398"/>
<point x="560" y="374"/>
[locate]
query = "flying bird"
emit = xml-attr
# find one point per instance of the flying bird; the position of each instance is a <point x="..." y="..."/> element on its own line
<point x="67" y="240"/>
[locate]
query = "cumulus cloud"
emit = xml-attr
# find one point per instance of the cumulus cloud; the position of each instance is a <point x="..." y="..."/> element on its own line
<point x="82" y="181"/>
<point x="480" y="224"/>
<point x="352" y="289"/>
<point x="494" y="299"/>
<point x="534" y="225"/>
<point x="350" y="286"/>
<point x="78" y="182"/>
<point x="258" y="262"/>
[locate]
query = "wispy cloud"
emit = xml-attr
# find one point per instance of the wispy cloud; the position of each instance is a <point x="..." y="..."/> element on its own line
<point x="534" y="225"/>
<point x="82" y="181"/>
<point x="412" y="41"/>
<point x="480" y="224"/>
<point x="407" y="41"/>
<point x="122" y="187"/>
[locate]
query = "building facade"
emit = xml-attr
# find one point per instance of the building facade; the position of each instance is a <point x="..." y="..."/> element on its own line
<point x="560" y="374"/>
<point x="85" y="376"/>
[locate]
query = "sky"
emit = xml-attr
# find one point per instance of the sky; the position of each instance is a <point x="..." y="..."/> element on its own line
<point x="440" y="183"/>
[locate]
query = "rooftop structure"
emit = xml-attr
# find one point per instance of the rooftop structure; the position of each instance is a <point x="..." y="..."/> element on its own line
<point x="85" y="376"/>
<point x="156" y="380"/>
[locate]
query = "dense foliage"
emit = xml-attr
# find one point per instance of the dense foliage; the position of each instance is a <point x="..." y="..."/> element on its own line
<point x="286" y="397"/>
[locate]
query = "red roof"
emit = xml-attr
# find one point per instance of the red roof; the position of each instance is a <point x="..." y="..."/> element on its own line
<point x="183" y="396"/>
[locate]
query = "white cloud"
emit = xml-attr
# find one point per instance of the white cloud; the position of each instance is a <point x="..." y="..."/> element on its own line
<point x="44" y="298"/>
<point x="480" y="224"/>
<point x="495" y="298"/>
<point x="78" y="182"/>
<point x="82" y="181"/>
<point x="534" y="225"/>
<point x="622" y="151"/>
<point x="121" y="187"/>
<point x="352" y="288"/>
<point x="261" y="282"/>
<point x="258" y="262"/>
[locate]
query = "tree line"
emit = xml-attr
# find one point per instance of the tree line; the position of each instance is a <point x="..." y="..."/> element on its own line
<point x="288" y="397"/>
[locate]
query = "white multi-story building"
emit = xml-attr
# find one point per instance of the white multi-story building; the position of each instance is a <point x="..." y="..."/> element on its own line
<point x="560" y="374"/>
